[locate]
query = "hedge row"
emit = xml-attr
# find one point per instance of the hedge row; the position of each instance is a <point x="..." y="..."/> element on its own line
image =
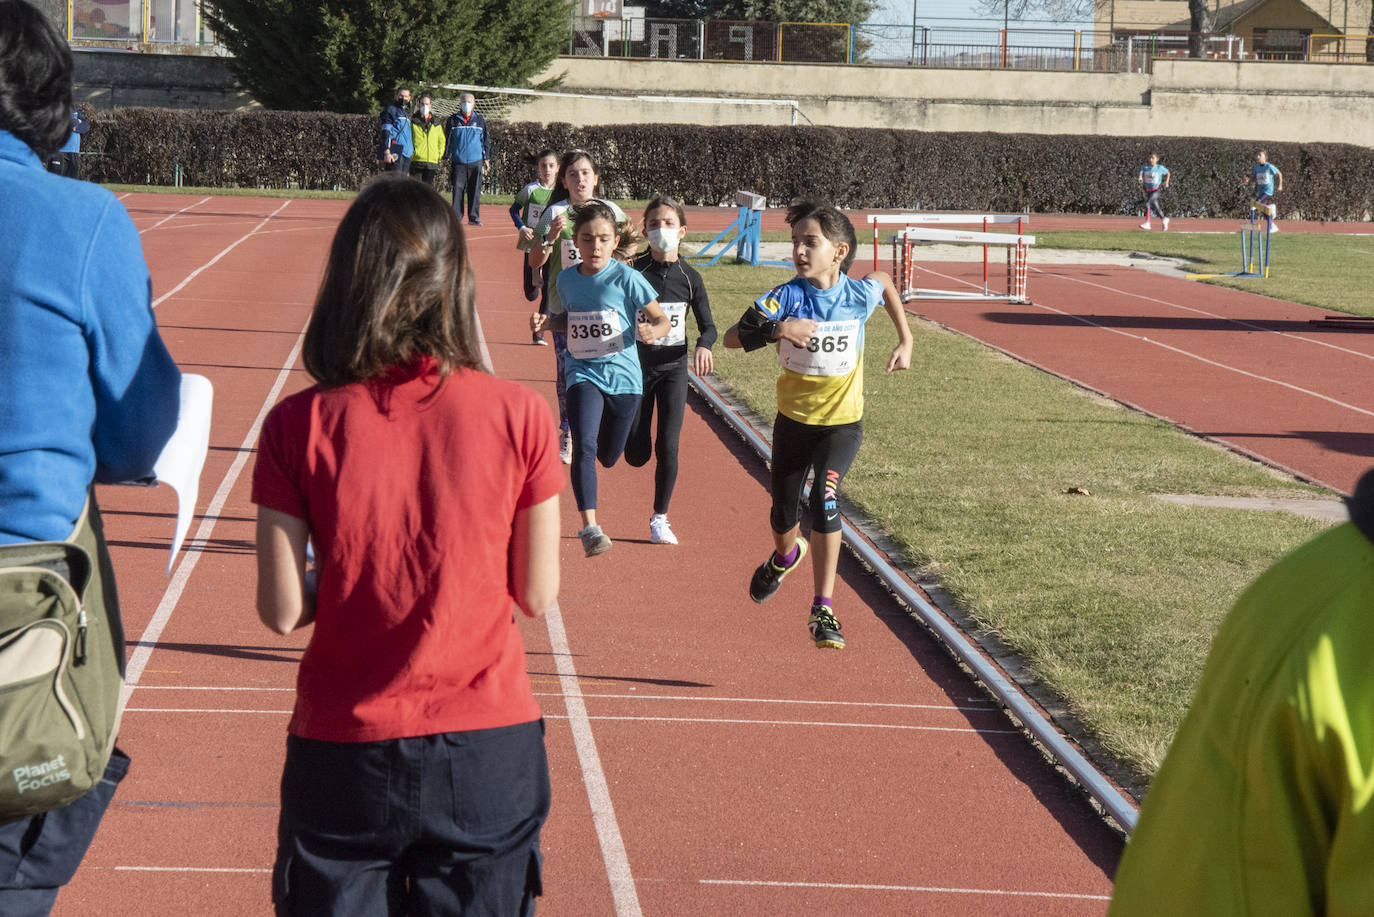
<point x="855" y="168"/>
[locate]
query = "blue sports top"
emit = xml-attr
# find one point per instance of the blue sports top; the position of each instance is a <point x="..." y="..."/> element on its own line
<point x="90" y="392"/>
<point x="1153" y="176"/>
<point x="601" y="326"/>
<point x="1264" y="173"/>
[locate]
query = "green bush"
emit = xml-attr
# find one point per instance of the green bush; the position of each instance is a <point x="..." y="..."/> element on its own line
<point x="855" y="168"/>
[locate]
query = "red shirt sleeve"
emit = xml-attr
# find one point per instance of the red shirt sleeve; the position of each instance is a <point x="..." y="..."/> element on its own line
<point x="544" y="475"/>
<point x="281" y="452"/>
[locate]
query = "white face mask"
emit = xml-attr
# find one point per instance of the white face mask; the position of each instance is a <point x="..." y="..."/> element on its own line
<point x="424" y="109"/>
<point x="663" y="239"/>
<point x="467" y="108"/>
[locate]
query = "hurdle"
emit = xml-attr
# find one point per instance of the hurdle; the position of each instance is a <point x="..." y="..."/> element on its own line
<point x="916" y="229"/>
<point x="746" y="229"/>
<point x="1254" y="247"/>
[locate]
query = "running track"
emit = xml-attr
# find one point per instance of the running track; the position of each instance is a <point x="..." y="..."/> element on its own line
<point x="706" y="759"/>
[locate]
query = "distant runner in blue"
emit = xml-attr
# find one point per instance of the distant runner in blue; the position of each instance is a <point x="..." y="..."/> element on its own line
<point x="1265" y="174"/>
<point x="1155" y="178"/>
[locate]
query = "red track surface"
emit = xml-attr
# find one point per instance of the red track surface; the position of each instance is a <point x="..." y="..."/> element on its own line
<point x="706" y="759"/>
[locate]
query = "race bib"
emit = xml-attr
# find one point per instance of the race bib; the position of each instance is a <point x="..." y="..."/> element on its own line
<point x="832" y="351"/>
<point x="594" y="335"/>
<point x="536" y="211"/>
<point x="677" y="328"/>
<point x="571" y="255"/>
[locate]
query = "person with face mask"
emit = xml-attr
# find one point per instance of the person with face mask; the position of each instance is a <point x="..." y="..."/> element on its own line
<point x="470" y="148"/>
<point x="395" y="145"/>
<point x="427" y="132"/>
<point x="664" y="362"/>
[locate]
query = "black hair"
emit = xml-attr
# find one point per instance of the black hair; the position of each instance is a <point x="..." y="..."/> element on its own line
<point x="835" y="226"/>
<point x="35" y="78"/>
<point x="565" y="162"/>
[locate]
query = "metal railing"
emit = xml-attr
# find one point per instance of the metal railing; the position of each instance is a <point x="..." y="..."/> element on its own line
<point x="1340" y="49"/>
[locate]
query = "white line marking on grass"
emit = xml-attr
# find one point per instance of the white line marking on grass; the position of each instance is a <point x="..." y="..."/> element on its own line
<point x="194" y="549"/>
<point x="931" y="889"/>
<point x="170" y="215"/>
<point x="598" y="793"/>
<point x="728" y="721"/>
<point x="232" y="245"/>
<point x="990" y="708"/>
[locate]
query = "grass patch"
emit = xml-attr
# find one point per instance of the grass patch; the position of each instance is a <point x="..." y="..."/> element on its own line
<point x="1111" y="599"/>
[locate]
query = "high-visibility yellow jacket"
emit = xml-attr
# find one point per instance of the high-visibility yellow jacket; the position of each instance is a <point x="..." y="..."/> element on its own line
<point x="429" y="140"/>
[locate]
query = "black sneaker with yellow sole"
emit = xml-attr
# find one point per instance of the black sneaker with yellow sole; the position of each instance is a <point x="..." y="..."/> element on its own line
<point x="768" y="577"/>
<point x="825" y="628"/>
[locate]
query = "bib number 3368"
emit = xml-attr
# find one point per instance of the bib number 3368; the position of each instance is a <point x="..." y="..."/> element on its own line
<point x="595" y="334"/>
<point x="832" y="351"/>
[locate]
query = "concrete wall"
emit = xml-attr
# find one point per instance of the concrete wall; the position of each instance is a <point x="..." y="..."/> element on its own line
<point x="1247" y="100"/>
<point x="118" y="79"/>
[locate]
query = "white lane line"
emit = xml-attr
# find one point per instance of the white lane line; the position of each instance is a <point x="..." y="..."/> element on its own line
<point x="233" y="245"/>
<point x="598" y="793"/>
<point x="930" y="889"/>
<point x="777" y="700"/>
<point x="204" y="710"/>
<point x="813" y="723"/>
<point x="206" y="688"/>
<point x="1194" y="356"/>
<point x="195" y="548"/>
<point x="190" y="869"/>
<point x="1201" y="359"/>
<point x="1235" y="321"/>
<point x="170" y="215"/>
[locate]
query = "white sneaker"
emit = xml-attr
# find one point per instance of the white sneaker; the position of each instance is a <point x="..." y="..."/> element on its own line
<point x="1166" y="224"/>
<point x="660" y="532"/>
<point x="1145" y="225"/>
<point x="1273" y="227"/>
<point x="565" y="446"/>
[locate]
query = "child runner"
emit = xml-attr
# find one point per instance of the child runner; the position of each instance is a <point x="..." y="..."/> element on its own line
<point x="1264" y="172"/>
<point x="665" y="361"/>
<point x="817" y="320"/>
<point x="1155" y="178"/>
<point x="416" y="779"/>
<point x="578" y="177"/>
<point x="600" y="297"/>
<point x="529" y="205"/>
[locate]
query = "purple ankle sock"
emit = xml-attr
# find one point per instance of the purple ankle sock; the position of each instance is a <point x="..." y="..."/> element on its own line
<point x="787" y="561"/>
<point x="820" y="600"/>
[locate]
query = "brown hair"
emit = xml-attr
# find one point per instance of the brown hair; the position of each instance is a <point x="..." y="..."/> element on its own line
<point x="672" y="203"/>
<point x="398" y="285"/>
<point x="627" y="237"/>
<point x="835" y="226"/>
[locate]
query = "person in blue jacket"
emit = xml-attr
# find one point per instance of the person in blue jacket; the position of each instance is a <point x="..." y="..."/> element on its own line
<point x="395" y="143"/>
<point x="90" y="392"/>
<point x="67" y="160"/>
<point x="470" y="148"/>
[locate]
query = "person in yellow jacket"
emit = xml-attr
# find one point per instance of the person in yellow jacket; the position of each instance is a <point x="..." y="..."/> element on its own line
<point x="428" y="132"/>
<point x="1263" y="803"/>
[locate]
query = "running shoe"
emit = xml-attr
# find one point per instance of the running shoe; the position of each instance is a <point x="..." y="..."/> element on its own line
<point x="565" y="446"/>
<point x="660" y="532"/>
<point x="594" y="541"/>
<point x="768" y="577"/>
<point x="825" y="629"/>
<point x="1166" y="224"/>
<point x="538" y="339"/>
<point x="1273" y="227"/>
<point x="1144" y="225"/>
<point x="474" y="222"/>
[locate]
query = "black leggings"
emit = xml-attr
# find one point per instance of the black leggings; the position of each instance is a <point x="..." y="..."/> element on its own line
<point x="665" y="387"/>
<point x="600" y="423"/>
<point x="797" y="449"/>
<point x="1152" y="204"/>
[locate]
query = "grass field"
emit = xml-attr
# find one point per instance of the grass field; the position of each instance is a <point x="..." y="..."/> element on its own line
<point x="1111" y="597"/>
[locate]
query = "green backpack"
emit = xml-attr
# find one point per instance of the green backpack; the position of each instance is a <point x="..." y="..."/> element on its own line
<point x="61" y="670"/>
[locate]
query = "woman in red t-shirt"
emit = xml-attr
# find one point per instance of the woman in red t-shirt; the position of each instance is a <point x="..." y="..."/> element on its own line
<point x="415" y="778"/>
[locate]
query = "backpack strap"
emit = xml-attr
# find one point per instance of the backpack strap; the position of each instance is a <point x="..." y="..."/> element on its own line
<point x="1361" y="505"/>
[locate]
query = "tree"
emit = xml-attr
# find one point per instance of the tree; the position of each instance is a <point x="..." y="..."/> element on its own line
<point x="349" y="55"/>
<point x="1200" y="19"/>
